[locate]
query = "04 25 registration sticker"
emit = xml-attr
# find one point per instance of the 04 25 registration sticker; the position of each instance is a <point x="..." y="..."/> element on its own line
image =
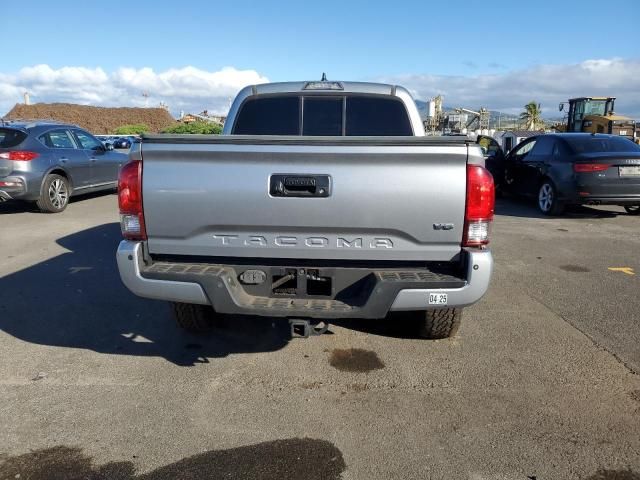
<point x="437" y="299"/>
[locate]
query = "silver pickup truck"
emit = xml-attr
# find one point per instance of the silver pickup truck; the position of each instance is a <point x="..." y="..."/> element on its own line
<point x="320" y="200"/>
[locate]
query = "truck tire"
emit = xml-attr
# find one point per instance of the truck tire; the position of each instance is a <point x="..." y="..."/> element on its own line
<point x="548" y="202"/>
<point x="55" y="194"/>
<point x="193" y="318"/>
<point x="439" y="323"/>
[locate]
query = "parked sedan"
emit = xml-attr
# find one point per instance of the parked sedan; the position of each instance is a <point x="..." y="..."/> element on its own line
<point x="575" y="169"/>
<point x="106" y="141"/>
<point x="122" y="142"/>
<point x="50" y="162"/>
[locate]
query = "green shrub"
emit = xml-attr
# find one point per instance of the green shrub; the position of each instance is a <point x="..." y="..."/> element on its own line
<point x="134" y="129"/>
<point x="195" y="127"/>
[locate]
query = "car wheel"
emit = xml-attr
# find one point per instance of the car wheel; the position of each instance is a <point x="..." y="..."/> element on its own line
<point x="548" y="202"/>
<point x="55" y="194"/>
<point x="194" y="318"/>
<point x="632" y="209"/>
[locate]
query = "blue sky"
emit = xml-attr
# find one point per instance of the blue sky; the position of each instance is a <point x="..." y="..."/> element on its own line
<point x="286" y="40"/>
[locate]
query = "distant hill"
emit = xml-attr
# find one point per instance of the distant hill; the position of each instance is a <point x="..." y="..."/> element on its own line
<point x="98" y="120"/>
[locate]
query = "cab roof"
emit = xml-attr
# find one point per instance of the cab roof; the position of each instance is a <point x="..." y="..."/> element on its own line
<point x="591" y="98"/>
<point x="327" y="86"/>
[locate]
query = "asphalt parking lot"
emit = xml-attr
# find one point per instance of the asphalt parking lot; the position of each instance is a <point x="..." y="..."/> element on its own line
<point x="538" y="384"/>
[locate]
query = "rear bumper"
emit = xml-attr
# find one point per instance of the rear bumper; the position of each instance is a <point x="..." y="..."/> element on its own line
<point x="608" y="199"/>
<point x="12" y="188"/>
<point x="606" y="188"/>
<point x="373" y="295"/>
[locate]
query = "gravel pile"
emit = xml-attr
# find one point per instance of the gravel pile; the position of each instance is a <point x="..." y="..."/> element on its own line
<point x="98" y="120"/>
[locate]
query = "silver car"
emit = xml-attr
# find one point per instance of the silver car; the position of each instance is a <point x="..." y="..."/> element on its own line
<point x="49" y="162"/>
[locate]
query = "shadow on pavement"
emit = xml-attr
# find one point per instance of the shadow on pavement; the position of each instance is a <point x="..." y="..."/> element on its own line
<point x="394" y="326"/>
<point x="16" y="206"/>
<point x="294" y="458"/>
<point x="77" y="300"/>
<point x="12" y="207"/>
<point x="290" y="459"/>
<point x="526" y="208"/>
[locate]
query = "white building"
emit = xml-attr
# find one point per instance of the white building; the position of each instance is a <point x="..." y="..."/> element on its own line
<point x="511" y="139"/>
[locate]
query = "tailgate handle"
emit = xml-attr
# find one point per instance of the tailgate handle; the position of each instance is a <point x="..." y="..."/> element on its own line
<point x="292" y="185"/>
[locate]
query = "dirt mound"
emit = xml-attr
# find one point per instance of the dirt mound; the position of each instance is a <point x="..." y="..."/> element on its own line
<point x="98" y="120"/>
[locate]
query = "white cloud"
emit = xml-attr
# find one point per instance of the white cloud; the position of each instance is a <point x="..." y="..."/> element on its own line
<point x="193" y="89"/>
<point x="546" y="84"/>
<point x="189" y="88"/>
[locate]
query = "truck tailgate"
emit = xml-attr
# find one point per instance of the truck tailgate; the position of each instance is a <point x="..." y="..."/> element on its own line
<point x="386" y="198"/>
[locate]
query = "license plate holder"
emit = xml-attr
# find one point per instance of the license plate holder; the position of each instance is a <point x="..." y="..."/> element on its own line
<point x="630" y="171"/>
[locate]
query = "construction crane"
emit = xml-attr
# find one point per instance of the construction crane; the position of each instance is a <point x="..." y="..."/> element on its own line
<point x="482" y="117"/>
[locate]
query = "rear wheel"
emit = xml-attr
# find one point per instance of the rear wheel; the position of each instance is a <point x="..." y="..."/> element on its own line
<point x="632" y="209"/>
<point x="432" y="324"/>
<point x="548" y="202"/>
<point x="55" y="194"/>
<point x="440" y="323"/>
<point x="194" y="318"/>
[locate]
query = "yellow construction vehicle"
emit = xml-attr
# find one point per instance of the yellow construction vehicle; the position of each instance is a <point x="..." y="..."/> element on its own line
<point x="596" y="115"/>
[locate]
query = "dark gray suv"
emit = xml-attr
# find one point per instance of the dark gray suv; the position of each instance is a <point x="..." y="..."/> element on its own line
<point x="48" y="162"/>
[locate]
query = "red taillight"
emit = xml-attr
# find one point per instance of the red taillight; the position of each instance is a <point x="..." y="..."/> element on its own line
<point x="130" y="201"/>
<point x="481" y="198"/>
<point x="19" y="155"/>
<point x="590" y="167"/>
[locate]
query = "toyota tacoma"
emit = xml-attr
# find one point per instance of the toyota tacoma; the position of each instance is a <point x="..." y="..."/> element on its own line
<point x="320" y="200"/>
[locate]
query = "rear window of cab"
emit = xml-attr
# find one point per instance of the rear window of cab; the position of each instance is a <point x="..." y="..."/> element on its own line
<point x="10" y="137"/>
<point x="349" y="115"/>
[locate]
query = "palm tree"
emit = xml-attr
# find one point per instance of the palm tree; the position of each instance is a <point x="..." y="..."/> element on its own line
<point x="532" y="116"/>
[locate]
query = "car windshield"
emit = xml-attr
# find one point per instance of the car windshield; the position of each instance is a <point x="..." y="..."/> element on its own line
<point x="10" y="137"/>
<point x="595" y="107"/>
<point x="593" y="143"/>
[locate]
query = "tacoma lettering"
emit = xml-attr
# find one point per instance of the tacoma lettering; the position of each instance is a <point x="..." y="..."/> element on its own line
<point x="311" y="242"/>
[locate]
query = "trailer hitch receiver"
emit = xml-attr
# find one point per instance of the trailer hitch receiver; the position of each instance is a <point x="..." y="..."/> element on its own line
<point x="303" y="328"/>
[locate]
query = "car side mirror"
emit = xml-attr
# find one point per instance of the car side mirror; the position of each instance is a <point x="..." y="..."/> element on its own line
<point x="108" y="147"/>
